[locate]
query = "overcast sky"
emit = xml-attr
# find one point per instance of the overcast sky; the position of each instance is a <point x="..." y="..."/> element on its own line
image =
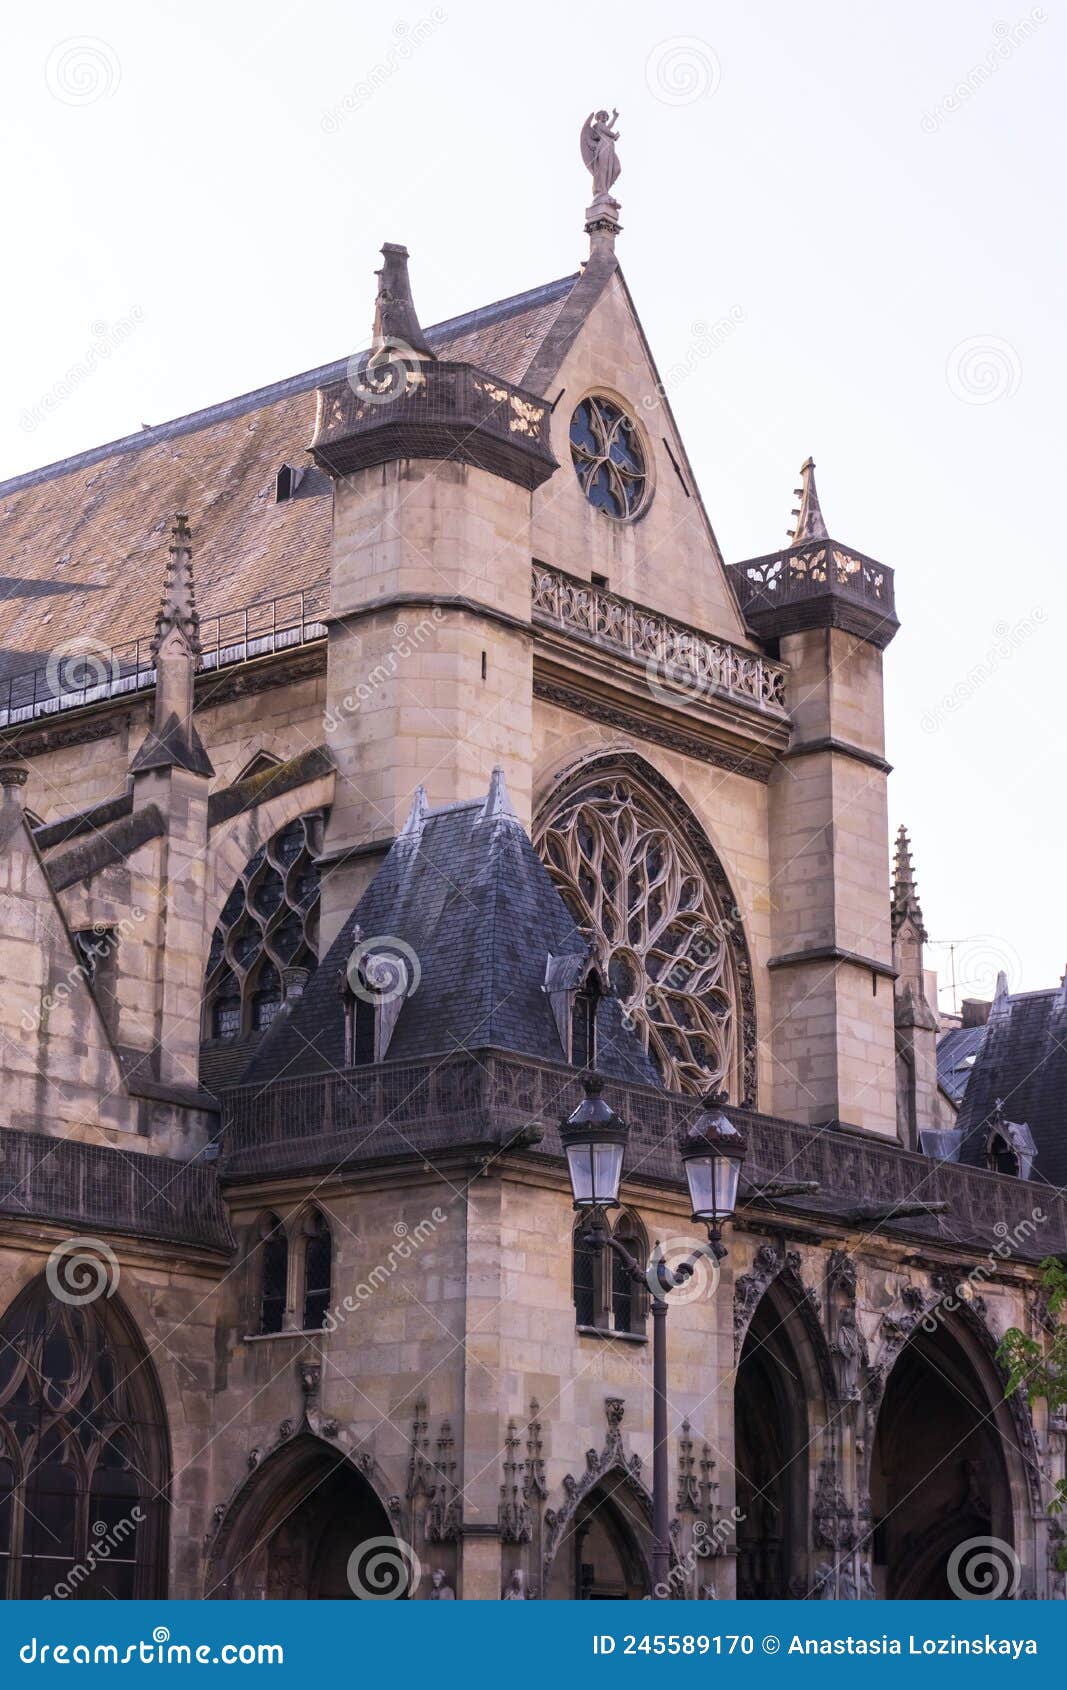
<point x="843" y="230"/>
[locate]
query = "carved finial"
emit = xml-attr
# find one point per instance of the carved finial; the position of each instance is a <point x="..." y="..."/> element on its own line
<point x="420" y="809"/>
<point x="598" y="140"/>
<point x="497" y="802"/>
<point x="396" y="322"/>
<point x="178" y="606"/>
<point x="809" y="524"/>
<point x="905" y="905"/>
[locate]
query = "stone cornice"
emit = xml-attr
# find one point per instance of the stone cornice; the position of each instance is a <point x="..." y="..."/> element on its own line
<point x="841" y="748"/>
<point x="833" y="954"/>
<point x="615" y="710"/>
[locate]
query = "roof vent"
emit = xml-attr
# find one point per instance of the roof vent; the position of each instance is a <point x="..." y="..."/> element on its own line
<point x="287" y="482"/>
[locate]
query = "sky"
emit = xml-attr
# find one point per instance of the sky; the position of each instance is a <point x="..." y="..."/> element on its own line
<point x="842" y="229"/>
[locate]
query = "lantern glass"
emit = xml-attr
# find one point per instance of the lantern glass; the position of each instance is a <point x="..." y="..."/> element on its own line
<point x="713" y="1178"/>
<point x="595" y="1168"/>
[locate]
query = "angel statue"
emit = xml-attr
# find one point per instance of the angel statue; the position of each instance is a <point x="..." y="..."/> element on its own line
<point x="599" y="155"/>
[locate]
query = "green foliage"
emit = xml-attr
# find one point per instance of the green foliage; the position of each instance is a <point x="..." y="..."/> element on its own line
<point x="1041" y="1369"/>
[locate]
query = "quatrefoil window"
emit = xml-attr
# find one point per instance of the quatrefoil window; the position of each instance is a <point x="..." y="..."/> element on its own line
<point x="608" y="457"/>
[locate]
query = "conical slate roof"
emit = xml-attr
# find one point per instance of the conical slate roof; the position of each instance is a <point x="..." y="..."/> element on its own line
<point x="465" y="905"/>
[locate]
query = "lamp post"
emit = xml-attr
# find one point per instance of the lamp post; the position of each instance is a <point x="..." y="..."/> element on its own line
<point x="712" y="1150"/>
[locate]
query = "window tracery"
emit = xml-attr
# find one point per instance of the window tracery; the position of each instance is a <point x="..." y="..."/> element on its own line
<point x="642" y="878"/>
<point x="83" y="1453"/>
<point x="608" y="457"/>
<point x="269" y="923"/>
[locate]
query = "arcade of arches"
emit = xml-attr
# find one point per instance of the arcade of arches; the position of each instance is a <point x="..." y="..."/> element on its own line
<point x="84" y="1452"/>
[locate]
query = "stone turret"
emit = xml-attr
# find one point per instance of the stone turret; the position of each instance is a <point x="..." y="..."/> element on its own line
<point x="429" y="670"/>
<point x="918" y="1098"/>
<point x="173" y="771"/>
<point x="173" y="741"/>
<point x="829" y="611"/>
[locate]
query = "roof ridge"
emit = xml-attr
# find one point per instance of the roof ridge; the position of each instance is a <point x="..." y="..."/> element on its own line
<point x="224" y="410"/>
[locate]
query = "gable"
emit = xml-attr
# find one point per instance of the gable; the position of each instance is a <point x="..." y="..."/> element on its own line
<point x="668" y="557"/>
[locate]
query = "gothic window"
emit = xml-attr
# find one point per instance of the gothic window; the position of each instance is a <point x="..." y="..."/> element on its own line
<point x="605" y="1296"/>
<point x="635" y="869"/>
<point x="318" y="1254"/>
<point x="268" y="923"/>
<point x="83" y="1453"/>
<point x="627" y="1299"/>
<point x="608" y="457"/>
<point x="274" y="1269"/>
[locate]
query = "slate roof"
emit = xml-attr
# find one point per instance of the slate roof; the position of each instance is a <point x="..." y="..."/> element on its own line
<point x="956" y="1053"/>
<point x="83" y="542"/>
<point x="1022" y="1060"/>
<point x="469" y="896"/>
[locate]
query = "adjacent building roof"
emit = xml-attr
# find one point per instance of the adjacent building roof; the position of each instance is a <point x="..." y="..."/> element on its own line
<point x="464" y="905"/>
<point x="1022" y="1061"/>
<point x="81" y="540"/>
<point x="956" y="1053"/>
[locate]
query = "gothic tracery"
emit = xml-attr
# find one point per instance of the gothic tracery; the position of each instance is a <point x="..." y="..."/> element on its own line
<point x="662" y="916"/>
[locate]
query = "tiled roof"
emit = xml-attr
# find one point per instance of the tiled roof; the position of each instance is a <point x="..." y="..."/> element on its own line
<point x="470" y="899"/>
<point x="956" y="1053"/>
<point x="83" y="543"/>
<point x="1023" y="1061"/>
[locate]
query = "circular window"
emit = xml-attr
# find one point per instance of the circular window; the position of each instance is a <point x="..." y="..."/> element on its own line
<point x="608" y="459"/>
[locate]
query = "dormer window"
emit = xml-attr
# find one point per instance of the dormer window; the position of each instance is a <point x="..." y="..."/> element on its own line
<point x="1009" y="1146"/>
<point x="583" y="1023"/>
<point x="1000" y="1156"/>
<point x="286" y="483"/>
<point x="381" y="974"/>
<point x="574" y="988"/>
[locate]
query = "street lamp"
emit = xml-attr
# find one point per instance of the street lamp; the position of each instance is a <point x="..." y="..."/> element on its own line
<point x="712" y="1150"/>
<point x="594" y="1139"/>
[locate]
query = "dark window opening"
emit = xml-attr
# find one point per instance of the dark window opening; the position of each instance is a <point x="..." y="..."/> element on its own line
<point x="362" y="1027"/>
<point x="583" y="1024"/>
<point x="275" y="1277"/>
<point x="286" y="484"/>
<point x="1001" y="1158"/>
<point x="599" y="581"/>
<point x="317" y="1269"/>
<point x="585" y="1278"/>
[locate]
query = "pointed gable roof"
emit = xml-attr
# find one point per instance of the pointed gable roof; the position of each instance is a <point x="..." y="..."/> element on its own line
<point x="1021" y="1068"/>
<point x="75" y="532"/>
<point x="466" y="905"/>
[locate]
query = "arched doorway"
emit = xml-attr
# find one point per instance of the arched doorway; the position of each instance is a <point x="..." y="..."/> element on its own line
<point x="603" y="1555"/>
<point x="778" y="1378"/>
<point x="938" y="1472"/>
<point x="294" y="1525"/>
<point x="84" y="1452"/>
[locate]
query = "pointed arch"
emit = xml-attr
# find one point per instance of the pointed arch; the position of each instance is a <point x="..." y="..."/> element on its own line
<point x="292" y="1525"/>
<point x="85" y="1451"/>
<point x="599" y="1542"/>
<point x="637" y="869"/>
<point x="782" y="1391"/>
<point x="951" y="1459"/>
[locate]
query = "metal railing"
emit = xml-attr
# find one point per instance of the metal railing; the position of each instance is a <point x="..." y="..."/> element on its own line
<point x="81" y="672"/>
<point x="389" y="1111"/>
<point x="810" y="571"/>
<point x="677" y="659"/>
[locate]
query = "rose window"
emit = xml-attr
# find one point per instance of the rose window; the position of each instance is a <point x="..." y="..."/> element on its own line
<point x="608" y="457"/>
<point x="672" y="946"/>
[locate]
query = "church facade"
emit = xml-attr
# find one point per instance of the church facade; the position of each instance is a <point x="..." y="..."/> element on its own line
<point x="460" y="763"/>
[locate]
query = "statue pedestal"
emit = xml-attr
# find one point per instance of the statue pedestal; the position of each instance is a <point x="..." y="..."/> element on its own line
<point x="602" y="221"/>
